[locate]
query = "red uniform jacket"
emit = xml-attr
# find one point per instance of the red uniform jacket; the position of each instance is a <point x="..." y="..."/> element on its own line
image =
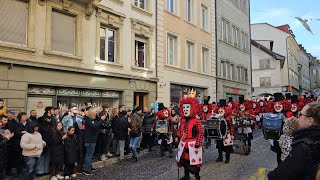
<point x="191" y="129"/>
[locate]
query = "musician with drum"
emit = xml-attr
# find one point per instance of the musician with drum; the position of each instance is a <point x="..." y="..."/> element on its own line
<point x="206" y="113"/>
<point x="165" y="129"/>
<point x="225" y="141"/>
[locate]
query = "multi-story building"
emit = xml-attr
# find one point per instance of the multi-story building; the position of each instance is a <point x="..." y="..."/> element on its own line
<point x="304" y="71"/>
<point x="233" y="44"/>
<point x="314" y="76"/>
<point x="284" y="43"/>
<point x="57" y="53"/>
<point x="266" y="69"/>
<point x="185" y="49"/>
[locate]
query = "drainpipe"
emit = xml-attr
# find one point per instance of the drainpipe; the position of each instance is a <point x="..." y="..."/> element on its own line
<point x="249" y="44"/>
<point x="156" y="53"/>
<point x="216" y="36"/>
<point x="288" y="62"/>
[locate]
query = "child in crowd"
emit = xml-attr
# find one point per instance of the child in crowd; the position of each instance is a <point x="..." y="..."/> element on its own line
<point x="285" y="140"/>
<point x="57" y="151"/>
<point x="71" y="149"/>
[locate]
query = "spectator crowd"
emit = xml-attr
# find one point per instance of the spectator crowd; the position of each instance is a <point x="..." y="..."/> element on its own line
<point x="64" y="146"/>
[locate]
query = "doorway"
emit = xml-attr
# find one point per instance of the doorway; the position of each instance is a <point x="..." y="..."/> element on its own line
<point x="140" y="99"/>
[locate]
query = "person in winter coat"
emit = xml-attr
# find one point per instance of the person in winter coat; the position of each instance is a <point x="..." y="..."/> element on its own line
<point x="304" y="158"/>
<point x="32" y="147"/>
<point x="148" y="134"/>
<point x="4" y="139"/>
<point x="71" y="151"/>
<point x="71" y="119"/>
<point x="103" y="136"/>
<point x="46" y="124"/>
<point x="120" y="132"/>
<point x="92" y="128"/>
<point x="14" y="150"/>
<point x="57" y="151"/>
<point x="135" y="134"/>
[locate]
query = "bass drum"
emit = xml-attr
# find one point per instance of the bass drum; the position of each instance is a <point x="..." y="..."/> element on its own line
<point x="216" y="127"/>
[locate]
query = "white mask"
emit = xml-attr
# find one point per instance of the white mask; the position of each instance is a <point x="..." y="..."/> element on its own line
<point x="261" y="104"/>
<point x="186" y="110"/>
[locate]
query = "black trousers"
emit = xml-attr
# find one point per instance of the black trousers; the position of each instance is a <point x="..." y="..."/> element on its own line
<point x="81" y="151"/>
<point x="101" y="143"/>
<point x="55" y="169"/>
<point x="68" y="169"/>
<point x="164" y="143"/>
<point x="149" y="139"/>
<point x="222" y="148"/>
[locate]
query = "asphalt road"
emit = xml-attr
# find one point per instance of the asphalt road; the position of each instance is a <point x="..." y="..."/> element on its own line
<point x="152" y="167"/>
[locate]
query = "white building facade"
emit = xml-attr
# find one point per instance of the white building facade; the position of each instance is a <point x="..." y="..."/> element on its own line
<point x="233" y="54"/>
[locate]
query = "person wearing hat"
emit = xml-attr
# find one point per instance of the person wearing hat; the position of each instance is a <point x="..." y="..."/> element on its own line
<point x="226" y="143"/>
<point x="295" y="107"/>
<point x="189" y="154"/>
<point x="165" y="129"/>
<point x="206" y="113"/>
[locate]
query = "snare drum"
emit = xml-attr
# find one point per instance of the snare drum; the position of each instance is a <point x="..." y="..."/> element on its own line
<point x="216" y="127"/>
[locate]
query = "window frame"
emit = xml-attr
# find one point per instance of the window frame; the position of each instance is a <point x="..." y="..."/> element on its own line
<point x="204" y="17"/>
<point x="108" y="29"/>
<point x="192" y="9"/>
<point x="145" y="57"/>
<point x="175" y="61"/>
<point x="28" y="29"/>
<point x="205" y="52"/>
<point x="78" y="30"/>
<point x="193" y="55"/>
<point x="145" y="2"/>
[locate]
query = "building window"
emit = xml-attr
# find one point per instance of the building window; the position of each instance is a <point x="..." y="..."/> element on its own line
<point x="140" y="52"/>
<point x="107" y="44"/>
<point x="170" y="6"/>
<point x="224" y="69"/>
<point x="245" y="75"/>
<point x="235" y="36"/>
<point x="190" y="55"/>
<point x="265" y="81"/>
<point x="232" y="72"/>
<point x="238" y="38"/>
<point x="239" y="73"/>
<point x="223" y="22"/>
<point x="141" y="4"/>
<point x="13" y="23"/>
<point x="227" y="32"/>
<point x="172" y="50"/>
<point x="63" y="32"/>
<point x="264" y="63"/>
<point x="205" y="57"/>
<point x="204" y="17"/>
<point x="221" y="68"/>
<point x="228" y="70"/>
<point x="189" y="10"/>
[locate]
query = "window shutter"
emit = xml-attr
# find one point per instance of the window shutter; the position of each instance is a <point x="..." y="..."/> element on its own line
<point x="13" y="21"/>
<point x="63" y="33"/>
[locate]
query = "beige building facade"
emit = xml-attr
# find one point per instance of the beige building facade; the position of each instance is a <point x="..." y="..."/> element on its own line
<point x="186" y="51"/>
<point x="233" y="54"/>
<point x="59" y="53"/>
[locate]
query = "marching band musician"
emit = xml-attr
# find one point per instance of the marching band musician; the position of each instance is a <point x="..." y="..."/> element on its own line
<point x="277" y="108"/>
<point x="226" y="143"/>
<point x="206" y="113"/>
<point x="245" y="110"/>
<point x="163" y="116"/>
<point x="295" y="107"/>
<point x="189" y="154"/>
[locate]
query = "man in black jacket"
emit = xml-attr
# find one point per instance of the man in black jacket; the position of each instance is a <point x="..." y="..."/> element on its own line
<point x="121" y="131"/>
<point x="304" y="158"/>
<point x="4" y="139"/>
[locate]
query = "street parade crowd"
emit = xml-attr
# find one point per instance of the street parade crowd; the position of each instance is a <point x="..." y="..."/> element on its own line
<point x="64" y="146"/>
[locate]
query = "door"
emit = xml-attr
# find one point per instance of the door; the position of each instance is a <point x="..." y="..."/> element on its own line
<point x="140" y="99"/>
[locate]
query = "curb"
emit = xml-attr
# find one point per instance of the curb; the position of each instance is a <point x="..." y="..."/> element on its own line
<point x="102" y="164"/>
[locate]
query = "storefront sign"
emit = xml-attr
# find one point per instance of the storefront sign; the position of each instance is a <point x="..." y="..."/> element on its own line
<point x="68" y="92"/>
<point x="41" y="90"/>
<point x="91" y="93"/>
<point x="110" y="94"/>
<point x="235" y="91"/>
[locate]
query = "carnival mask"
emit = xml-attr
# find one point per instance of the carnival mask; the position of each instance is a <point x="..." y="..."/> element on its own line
<point x="186" y="110"/>
<point x="254" y="105"/>
<point x="221" y="111"/>
<point x="278" y="107"/>
<point x="294" y="108"/>
<point x="242" y="107"/>
<point x="166" y="113"/>
<point x="205" y="108"/>
<point x="261" y="103"/>
<point x="230" y="105"/>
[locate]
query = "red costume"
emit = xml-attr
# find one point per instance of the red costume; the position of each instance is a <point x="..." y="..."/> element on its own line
<point x="189" y="154"/>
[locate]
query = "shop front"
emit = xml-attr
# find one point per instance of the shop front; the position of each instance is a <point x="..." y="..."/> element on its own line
<point x="41" y="96"/>
<point x="179" y="91"/>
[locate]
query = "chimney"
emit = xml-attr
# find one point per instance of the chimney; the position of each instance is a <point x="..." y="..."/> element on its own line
<point x="271" y="45"/>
